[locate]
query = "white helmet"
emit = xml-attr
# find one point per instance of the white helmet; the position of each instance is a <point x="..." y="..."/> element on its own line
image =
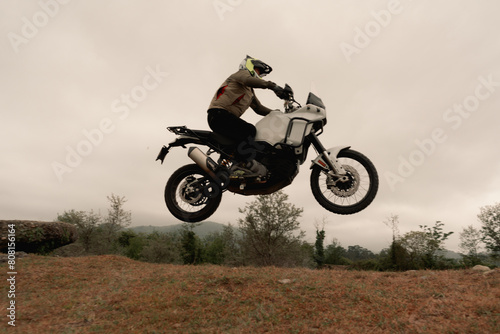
<point x="251" y="64"/>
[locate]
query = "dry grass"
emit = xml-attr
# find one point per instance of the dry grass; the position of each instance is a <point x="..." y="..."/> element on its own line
<point x="112" y="294"/>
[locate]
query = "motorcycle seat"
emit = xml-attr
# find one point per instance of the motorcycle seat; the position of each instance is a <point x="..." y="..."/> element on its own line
<point x="223" y="140"/>
<point x="204" y="135"/>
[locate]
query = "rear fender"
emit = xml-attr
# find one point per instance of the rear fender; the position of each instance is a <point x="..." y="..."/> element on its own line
<point x="182" y="140"/>
<point x="332" y="154"/>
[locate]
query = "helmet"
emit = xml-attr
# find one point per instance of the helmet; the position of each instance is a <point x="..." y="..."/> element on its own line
<point x="251" y="64"/>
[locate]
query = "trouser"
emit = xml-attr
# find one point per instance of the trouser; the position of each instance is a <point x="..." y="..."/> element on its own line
<point x="224" y="123"/>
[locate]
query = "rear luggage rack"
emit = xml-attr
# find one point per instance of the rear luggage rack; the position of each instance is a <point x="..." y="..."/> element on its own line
<point x="180" y="130"/>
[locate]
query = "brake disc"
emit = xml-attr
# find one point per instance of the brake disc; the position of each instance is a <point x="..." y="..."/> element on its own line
<point x="344" y="188"/>
<point x="190" y="193"/>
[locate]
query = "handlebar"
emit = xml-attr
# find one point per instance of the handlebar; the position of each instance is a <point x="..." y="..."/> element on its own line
<point x="286" y="94"/>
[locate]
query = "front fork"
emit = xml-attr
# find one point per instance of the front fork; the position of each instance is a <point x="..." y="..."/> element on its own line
<point x="327" y="159"/>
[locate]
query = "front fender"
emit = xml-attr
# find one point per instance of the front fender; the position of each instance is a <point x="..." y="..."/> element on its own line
<point x="332" y="153"/>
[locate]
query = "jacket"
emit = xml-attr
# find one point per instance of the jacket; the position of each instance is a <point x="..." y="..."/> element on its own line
<point x="236" y="94"/>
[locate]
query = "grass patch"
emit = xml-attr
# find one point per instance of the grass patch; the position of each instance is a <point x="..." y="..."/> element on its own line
<point x="113" y="294"/>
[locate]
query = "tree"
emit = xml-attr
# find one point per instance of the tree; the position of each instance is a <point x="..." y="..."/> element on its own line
<point x="470" y="244"/>
<point x="358" y="253"/>
<point x="268" y="231"/>
<point x="319" y="248"/>
<point x="162" y="248"/>
<point x="132" y="243"/>
<point x="232" y="250"/>
<point x="221" y="247"/>
<point x="436" y="238"/>
<point x="393" y="223"/>
<point x="191" y="245"/>
<point x="335" y="254"/>
<point x="436" y="234"/>
<point x="117" y="217"/>
<point x="116" y="220"/>
<point x="214" y="248"/>
<point x="490" y="219"/>
<point x="416" y="244"/>
<point x="100" y="235"/>
<point x="394" y="253"/>
<point x="73" y="217"/>
<point x="395" y="258"/>
<point x="422" y="246"/>
<point x="86" y="225"/>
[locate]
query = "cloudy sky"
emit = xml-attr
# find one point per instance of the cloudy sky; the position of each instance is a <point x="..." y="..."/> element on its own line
<point x="87" y="89"/>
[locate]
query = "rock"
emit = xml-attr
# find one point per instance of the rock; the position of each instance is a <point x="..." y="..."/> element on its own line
<point x="35" y="236"/>
<point x="495" y="272"/>
<point x="285" y="281"/>
<point x="481" y="268"/>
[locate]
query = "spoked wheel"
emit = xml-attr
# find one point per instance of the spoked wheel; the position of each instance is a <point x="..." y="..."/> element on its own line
<point x="190" y="194"/>
<point x="350" y="194"/>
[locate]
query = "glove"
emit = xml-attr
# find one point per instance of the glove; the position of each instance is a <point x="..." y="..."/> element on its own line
<point x="280" y="92"/>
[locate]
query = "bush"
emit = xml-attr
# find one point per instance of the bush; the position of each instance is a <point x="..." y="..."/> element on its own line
<point x="162" y="248"/>
<point x="371" y="264"/>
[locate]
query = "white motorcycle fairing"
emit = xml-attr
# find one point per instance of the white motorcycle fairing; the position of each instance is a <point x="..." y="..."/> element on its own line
<point x="290" y="128"/>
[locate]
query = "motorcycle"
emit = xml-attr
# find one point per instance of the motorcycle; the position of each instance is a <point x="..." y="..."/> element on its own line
<point x="342" y="180"/>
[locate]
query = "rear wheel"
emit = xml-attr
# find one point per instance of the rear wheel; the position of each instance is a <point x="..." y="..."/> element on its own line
<point x="190" y="194"/>
<point x="351" y="194"/>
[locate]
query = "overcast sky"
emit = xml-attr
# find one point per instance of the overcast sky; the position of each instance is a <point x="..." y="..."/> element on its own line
<point x="87" y="89"/>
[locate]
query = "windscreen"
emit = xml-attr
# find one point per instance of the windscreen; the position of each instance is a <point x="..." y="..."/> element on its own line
<point x="313" y="99"/>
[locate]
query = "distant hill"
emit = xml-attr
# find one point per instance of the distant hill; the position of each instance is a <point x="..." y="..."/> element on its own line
<point x="201" y="230"/>
<point x="448" y="254"/>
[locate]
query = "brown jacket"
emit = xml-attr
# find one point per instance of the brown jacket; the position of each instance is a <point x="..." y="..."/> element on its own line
<point x="236" y="94"/>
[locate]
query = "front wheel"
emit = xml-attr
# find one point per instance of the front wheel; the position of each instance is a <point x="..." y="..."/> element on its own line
<point x="191" y="195"/>
<point x="351" y="194"/>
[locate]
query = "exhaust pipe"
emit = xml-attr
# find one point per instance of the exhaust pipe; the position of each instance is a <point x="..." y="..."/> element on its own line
<point x="204" y="161"/>
<point x="209" y="166"/>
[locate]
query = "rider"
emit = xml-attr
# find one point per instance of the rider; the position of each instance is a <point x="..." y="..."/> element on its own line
<point x="232" y="99"/>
